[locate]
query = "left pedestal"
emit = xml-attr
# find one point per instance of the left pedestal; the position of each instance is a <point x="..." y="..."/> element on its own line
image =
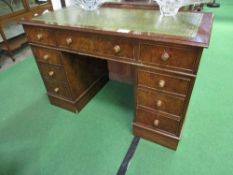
<point x="71" y="80"/>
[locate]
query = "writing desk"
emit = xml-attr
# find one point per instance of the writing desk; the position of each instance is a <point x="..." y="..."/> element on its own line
<point x="72" y="46"/>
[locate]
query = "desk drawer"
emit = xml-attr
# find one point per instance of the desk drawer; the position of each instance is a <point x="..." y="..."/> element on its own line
<point x="46" y="55"/>
<point x="163" y="82"/>
<point x="52" y="72"/>
<point x="57" y="88"/>
<point x="157" y="121"/>
<point x="161" y="102"/>
<point x="169" y="57"/>
<point x="40" y="35"/>
<point x="96" y="44"/>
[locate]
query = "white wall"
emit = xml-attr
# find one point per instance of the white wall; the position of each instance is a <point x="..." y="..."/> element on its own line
<point x="56" y="4"/>
<point x="68" y="2"/>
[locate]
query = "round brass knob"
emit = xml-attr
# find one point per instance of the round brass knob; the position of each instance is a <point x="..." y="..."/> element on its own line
<point x="69" y="41"/>
<point x="116" y="49"/>
<point x="156" y="122"/>
<point x="39" y="36"/>
<point x="46" y="57"/>
<point x="56" y="90"/>
<point x="51" y="73"/>
<point x="161" y="83"/>
<point x="165" y="56"/>
<point x="159" y="103"/>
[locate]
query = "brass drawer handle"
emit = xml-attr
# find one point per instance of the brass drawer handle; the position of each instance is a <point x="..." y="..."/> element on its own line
<point x="69" y="41"/>
<point x="156" y="123"/>
<point x="116" y="49"/>
<point x="159" y="103"/>
<point x="46" y="57"/>
<point x="56" y="90"/>
<point x="165" y="56"/>
<point x="161" y="83"/>
<point x="51" y="73"/>
<point x="39" y="36"/>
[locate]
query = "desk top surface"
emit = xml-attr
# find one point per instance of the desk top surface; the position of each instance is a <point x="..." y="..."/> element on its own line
<point x="187" y="27"/>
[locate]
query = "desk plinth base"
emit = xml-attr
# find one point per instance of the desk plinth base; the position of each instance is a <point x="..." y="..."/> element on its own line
<point x="77" y="105"/>
<point x="154" y="136"/>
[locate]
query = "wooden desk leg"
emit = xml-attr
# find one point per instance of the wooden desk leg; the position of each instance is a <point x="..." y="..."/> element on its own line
<point x="6" y="44"/>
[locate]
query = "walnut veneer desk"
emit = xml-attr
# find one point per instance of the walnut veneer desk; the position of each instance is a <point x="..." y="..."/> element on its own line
<point x="72" y="47"/>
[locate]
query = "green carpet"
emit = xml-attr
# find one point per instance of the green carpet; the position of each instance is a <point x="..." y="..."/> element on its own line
<point x="37" y="138"/>
<point x="207" y="142"/>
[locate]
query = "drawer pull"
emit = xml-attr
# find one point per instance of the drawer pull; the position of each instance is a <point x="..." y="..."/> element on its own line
<point x="156" y="123"/>
<point x="69" y="41"/>
<point x="39" y="36"/>
<point x="165" y="56"/>
<point x="159" y="103"/>
<point x="51" y="73"/>
<point x="56" y="90"/>
<point x="161" y="83"/>
<point x="116" y="49"/>
<point x="46" y="57"/>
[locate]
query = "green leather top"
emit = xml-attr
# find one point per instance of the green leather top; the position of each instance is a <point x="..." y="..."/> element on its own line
<point x="137" y="21"/>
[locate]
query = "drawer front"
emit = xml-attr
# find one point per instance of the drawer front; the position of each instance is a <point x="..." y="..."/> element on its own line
<point x="169" y="57"/>
<point x="40" y="35"/>
<point x="163" y="82"/>
<point x="96" y="44"/>
<point x="57" y="88"/>
<point x="161" y="102"/>
<point x="157" y="121"/>
<point x="52" y="72"/>
<point x="47" y="55"/>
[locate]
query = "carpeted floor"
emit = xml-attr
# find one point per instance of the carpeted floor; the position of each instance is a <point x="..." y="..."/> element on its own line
<point x="37" y="138"/>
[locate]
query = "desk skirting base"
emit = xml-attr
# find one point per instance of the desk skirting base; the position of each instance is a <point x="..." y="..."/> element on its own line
<point x="157" y="137"/>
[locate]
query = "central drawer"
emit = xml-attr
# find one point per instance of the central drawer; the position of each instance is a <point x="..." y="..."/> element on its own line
<point x="160" y="102"/>
<point x="96" y="44"/>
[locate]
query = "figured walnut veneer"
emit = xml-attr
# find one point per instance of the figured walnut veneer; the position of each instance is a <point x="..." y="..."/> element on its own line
<point x="72" y="49"/>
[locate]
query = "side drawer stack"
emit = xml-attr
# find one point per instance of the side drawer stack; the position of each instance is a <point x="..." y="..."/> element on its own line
<point x="52" y="71"/>
<point x="49" y="61"/>
<point x="163" y="94"/>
